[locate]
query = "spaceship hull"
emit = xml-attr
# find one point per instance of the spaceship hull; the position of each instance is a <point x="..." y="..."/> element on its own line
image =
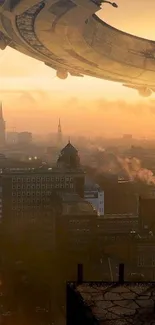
<point x="68" y="36"/>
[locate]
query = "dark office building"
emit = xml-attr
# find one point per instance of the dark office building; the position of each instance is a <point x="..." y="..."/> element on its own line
<point x="147" y="213"/>
<point x="75" y="230"/>
<point x="26" y="191"/>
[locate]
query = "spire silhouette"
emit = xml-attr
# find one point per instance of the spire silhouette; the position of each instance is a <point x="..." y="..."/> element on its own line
<point x="59" y="126"/>
<point x="1" y="111"/>
<point x="2" y="126"/>
<point x="59" y="133"/>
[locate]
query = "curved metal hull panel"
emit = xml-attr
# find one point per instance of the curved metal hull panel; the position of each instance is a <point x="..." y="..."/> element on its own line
<point x="69" y="37"/>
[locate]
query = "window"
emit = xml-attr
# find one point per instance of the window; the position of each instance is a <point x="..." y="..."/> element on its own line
<point x="153" y="259"/>
<point x="28" y="179"/>
<point x="140" y="261"/>
<point x="47" y="179"/>
<point x="38" y="179"/>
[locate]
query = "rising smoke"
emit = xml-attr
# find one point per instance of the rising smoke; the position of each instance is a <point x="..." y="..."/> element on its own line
<point x="130" y="168"/>
<point x="134" y="170"/>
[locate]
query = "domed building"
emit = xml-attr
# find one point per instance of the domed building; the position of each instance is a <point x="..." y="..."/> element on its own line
<point x="69" y="157"/>
<point x="68" y="164"/>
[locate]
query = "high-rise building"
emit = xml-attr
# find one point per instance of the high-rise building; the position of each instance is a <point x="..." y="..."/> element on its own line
<point x="95" y="196"/>
<point x="69" y="162"/>
<point x="12" y="137"/>
<point x="75" y="225"/>
<point x="59" y="139"/>
<point x="26" y="191"/>
<point x="24" y="138"/>
<point x="2" y="127"/>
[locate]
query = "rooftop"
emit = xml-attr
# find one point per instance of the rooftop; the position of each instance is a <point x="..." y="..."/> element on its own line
<point x="74" y="204"/>
<point x="69" y="148"/>
<point x="116" y="304"/>
<point x="39" y="170"/>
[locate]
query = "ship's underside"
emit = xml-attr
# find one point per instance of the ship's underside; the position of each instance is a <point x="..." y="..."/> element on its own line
<point x="68" y="36"/>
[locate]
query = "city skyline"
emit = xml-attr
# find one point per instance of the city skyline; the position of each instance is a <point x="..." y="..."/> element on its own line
<point x="112" y="118"/>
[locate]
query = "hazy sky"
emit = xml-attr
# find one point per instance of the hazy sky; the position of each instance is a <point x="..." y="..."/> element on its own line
<point x="20" y="72"/>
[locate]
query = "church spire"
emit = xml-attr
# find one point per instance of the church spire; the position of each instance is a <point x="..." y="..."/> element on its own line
<point x="59" y="126"/>
<point x="1" y="111"/>
<point x="59" y="134"/>
<point x="2" y="126"/>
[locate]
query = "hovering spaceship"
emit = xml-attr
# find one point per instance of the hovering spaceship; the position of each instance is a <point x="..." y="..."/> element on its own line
<point x="69" y="37"/>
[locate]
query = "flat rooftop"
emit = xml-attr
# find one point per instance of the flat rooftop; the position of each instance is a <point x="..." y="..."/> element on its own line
<point x="116" y="304"/>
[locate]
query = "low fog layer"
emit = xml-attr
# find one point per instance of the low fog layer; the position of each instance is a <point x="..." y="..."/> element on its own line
<point x="83" y="117"/>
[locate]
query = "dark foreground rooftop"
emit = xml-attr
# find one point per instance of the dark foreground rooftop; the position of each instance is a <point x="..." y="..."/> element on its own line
<point x="113" y="303"/>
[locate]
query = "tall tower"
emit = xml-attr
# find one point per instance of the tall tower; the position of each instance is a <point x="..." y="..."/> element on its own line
<point x="59" y="134"/>
<point x="2" y="127"/>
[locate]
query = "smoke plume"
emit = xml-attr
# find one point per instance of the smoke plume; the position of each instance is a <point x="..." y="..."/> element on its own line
<point x="110" y="163"/>
<point x="133" y="168"/>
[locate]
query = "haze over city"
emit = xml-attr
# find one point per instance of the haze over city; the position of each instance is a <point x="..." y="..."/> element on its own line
<point x="77" y="163"/>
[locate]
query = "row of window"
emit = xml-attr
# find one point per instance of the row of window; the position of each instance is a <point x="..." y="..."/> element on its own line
<point x="41" y="179"/>
<point x="40" y="186"/>
<point x="143" y="261"/>
<point x="26" y="207"/>
<point x="76" y="221"/>
<point x="118" y="221"/>
<point x="30" y="200"/>
<point x="39" y="193"/>
<point x="79" y="230"/>
<point x="32" y="218"/>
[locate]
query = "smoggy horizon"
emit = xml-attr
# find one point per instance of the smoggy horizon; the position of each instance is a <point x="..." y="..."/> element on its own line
<point x="98" y="117"/>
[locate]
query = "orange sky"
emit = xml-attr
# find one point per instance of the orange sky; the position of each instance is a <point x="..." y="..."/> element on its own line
<point x="20" y="72"/>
